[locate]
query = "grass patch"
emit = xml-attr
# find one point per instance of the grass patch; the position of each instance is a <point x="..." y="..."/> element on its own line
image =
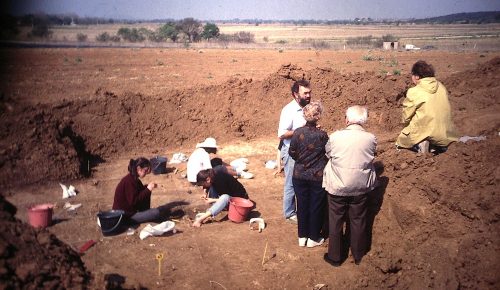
<point x="368" y="58"/>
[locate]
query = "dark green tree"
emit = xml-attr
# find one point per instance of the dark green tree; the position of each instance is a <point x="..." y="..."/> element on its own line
<point x="210" y="30"/>
<point x="169" y="31"/>
<point x="132" y="35"/>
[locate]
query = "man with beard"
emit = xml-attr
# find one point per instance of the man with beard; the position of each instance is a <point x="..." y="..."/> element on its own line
<point x="292" y="118"/>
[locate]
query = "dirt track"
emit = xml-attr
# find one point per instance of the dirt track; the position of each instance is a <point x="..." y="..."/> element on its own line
<point x="435" y="218"/>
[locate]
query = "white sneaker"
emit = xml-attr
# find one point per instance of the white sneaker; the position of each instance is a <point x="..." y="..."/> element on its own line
<point x="311" y="243"/>
<point x="302" y="242"/>
<point x="292" y="219"/>
<point x="246" y="175"/>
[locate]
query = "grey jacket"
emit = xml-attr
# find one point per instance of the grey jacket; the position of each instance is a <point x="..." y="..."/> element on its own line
<point x="350" y="170"/>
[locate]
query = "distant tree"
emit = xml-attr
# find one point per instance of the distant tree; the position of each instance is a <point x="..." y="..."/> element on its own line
<point x="225" y="38"/>
<point x="147" y="33"/>
<point x="40" y="27"/>
<point x="191" y="28"/>
<point x="81" y="37"/>
<point x="210" y="30"/>
<point x="8" y="27"/>
<point x="389" y="38"/>
<point x="103" y="37"/>
<point x="132" y="35"/>
<point x="244" y="37"/>
<point x="169" y="31"/>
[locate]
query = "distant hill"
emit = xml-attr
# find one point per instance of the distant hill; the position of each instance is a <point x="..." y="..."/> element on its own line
<point x="465" y="18"/>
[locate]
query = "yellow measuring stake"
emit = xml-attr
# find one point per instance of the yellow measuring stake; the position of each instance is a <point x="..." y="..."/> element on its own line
<point x="159" y="258"/>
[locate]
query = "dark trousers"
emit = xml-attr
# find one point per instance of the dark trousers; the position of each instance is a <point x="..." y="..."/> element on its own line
<point x="355" y="207"/>
<point x="311" y="200"/>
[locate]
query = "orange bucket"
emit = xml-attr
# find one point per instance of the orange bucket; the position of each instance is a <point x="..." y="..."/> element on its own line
<point x="239" y="208"/>
<point x="40" y="215"/>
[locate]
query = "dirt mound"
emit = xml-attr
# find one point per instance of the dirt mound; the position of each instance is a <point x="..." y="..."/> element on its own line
<point x="36" y="259"/>
<point x="64" y="140"/>
<point x="475" y="99"/>
<point x="447" y="214"/>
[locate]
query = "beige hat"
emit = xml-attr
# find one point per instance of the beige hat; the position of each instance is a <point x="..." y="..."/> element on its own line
<point x="208" y="143"/>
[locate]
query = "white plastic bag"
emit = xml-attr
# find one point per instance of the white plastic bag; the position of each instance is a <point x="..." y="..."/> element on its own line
<point x="157" y="230"/>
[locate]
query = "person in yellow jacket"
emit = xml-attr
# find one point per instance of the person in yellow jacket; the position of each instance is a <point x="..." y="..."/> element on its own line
<point x="426" y="113"/>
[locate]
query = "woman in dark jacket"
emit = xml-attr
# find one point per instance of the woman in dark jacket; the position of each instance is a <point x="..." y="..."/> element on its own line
<point x="307" y="148"/>
<point x="133" y="197"/>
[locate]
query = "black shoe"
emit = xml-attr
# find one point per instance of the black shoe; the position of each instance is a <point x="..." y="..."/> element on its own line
<point x="357" y="262"/>
<point x="330" y="261"/>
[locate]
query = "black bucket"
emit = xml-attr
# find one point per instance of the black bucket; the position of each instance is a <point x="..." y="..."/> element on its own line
<point x="158" y="165"/>
<point x="111" y="221"/>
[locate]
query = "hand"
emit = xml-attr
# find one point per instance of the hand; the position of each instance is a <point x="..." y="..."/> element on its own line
<point x="151" y="186"/>
<point x="209" y="200"/>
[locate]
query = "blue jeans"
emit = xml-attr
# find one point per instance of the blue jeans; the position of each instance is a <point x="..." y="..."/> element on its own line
<point x="149" y="215"/>
<point x="220" y="204"/>
<point x="288" y="192"/>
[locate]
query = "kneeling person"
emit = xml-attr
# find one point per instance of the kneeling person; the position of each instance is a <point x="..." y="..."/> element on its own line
<point x="219" y="187"/>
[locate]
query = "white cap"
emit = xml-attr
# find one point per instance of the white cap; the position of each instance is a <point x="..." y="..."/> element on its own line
<point x="208" y="143"/>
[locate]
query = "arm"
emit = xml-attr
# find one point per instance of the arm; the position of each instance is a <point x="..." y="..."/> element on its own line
<point x="145" y="192"/>
<point x="279" y="166"/>
<point x="328" y="149"/>
<point x="293" y="150"/>
<point x="286" y="135"/>
<point x="285" y="125"/>
<point x="410" y="107"/>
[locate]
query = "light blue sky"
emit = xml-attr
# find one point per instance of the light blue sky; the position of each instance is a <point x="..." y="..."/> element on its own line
<point x="252" y="9"/>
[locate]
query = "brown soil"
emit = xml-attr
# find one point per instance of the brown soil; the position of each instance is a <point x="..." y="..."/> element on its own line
<point x="435" y="219"/>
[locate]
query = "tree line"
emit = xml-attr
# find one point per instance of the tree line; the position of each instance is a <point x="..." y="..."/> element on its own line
<point x="185" y="30"/>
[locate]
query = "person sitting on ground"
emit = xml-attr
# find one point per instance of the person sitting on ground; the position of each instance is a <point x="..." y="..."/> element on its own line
<point x="200" y="160"/>
<point x="133" y="197"/>
<point x="426" y="113"/>
<point x="219" y="187"/>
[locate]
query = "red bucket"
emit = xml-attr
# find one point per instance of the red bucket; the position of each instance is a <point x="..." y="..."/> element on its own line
<point x="40" y="215"/>
<point x="239" y="208"/>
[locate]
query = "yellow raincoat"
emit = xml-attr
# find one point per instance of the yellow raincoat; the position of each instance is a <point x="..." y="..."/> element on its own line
<point x="427" y="115"/>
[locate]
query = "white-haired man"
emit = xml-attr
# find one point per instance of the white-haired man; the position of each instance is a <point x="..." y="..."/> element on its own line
<point x="348" y="176"/>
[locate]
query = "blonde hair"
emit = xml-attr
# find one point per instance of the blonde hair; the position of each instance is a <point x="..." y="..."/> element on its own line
<point x="312" y="112"/>
<point x="356" y="115"/>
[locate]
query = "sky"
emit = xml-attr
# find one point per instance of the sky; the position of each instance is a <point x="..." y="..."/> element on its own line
<point x="251" y="9"/>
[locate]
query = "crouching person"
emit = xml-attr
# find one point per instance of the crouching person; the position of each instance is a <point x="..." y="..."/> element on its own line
<point x="219" y="187"/>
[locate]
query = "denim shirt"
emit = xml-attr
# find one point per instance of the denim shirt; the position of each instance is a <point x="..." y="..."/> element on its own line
<point x="307" y="148"/>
